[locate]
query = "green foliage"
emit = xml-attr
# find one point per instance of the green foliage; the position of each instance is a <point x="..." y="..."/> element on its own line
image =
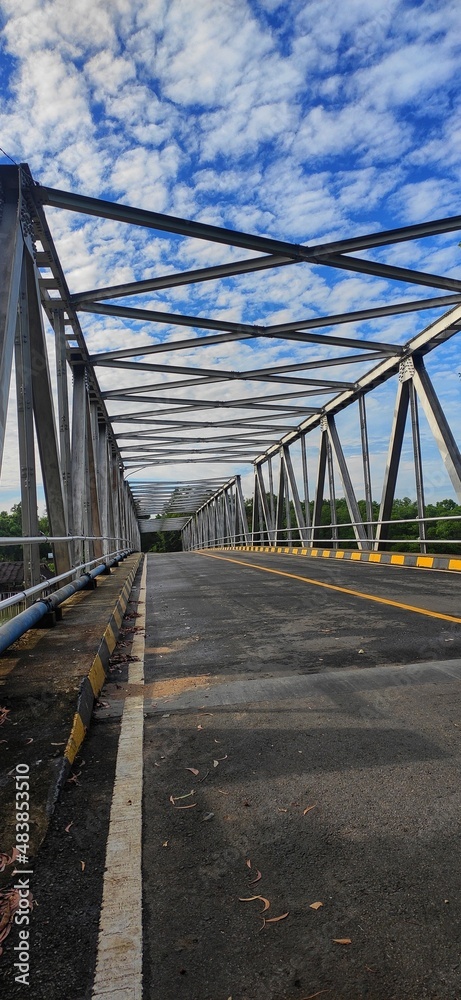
<point x="11" y="527"/>
<point x="401" y="537"/>
<point x="165" y="541"/>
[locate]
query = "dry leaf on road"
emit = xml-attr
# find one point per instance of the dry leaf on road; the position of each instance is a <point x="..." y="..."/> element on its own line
<point x="177" y="798"/>
<point x="308" y="809"/>
<point x="248" y="899"/>
<point x="342" y="941"/>
<point x="315" y="906"/>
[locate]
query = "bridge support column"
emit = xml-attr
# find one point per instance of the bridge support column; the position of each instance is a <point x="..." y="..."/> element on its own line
<point x="79" y="465"/>
<point x="307" y="510"/>
<point x="352" y="505"/>
<point x="439" y="425"/>
<point x="320" y="484"/>
<point x="29" y="512"/>
<point x="392" y="465"/>
<point x="291" y="481"/>
<point x="11" y="254"/>
<point x="63" y="409"/>
<point x="45" y="426"/>
<point x="366" y="465"/>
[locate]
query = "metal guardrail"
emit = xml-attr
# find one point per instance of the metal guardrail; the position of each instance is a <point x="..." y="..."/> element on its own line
<point x="309" y="535"/>
<point x="13" y="629"/>
<point x="46" y="584"/>
<point x="13" y="540"/>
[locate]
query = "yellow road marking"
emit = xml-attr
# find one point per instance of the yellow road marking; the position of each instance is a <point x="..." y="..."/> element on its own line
<point x="76" y="738"/>
<point x="425" y="561"/>
<point x="97" y="675"/>
<point x="332" y="586"/>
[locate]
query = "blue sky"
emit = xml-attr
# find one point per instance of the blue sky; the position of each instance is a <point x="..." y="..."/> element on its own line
<point x="305" y="121"/>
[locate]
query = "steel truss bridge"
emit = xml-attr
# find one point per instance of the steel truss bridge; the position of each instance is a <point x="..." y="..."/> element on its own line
<point x="161" y="408"/>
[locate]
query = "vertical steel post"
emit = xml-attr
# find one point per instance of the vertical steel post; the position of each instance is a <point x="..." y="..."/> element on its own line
<point x="63" y="408"/>
<point x="418" y="464"/>
<point x="287" y="499"/>
<point x="29" y="515"/>
<point x="95" y="524"/>
<point x="289" y="471"/>
<point x="229" y="532"/>
<point x="102" y="469"/>
<point x="438" y="424"/>
<point x="45" y="425"/>
<point x="116" y="499"/>
<point x="271" y="493"/>
<point x="269" y="524"/>
<point x="280" y="504"/>
<point x="79" y="477"/>
<point x="320" y="485"/>
<point x="11" y="254"/>
<point x="393" y="459"/>
<point x="360" y="533"/>
<point x="241" y="506"/>
<point x="366" y="465"/>
<point x="307" y="510"/>
<point x="331" y="482"/>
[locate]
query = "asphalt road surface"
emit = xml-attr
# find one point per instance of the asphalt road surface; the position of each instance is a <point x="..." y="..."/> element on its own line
<point x="308" y="715"/>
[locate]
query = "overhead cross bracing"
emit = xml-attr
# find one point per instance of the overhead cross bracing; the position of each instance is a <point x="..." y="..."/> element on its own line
<point x="162" y="499"/>
<point x="162" y="381"/>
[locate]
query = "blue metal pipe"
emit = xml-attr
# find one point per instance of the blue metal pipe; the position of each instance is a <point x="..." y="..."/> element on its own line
<point x="16" y="627"/>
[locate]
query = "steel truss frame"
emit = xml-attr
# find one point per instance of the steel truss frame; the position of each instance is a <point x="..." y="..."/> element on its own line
<point x="176" y="417"/>
<point x="221" y="520"/>
<point x="82" y="470"/>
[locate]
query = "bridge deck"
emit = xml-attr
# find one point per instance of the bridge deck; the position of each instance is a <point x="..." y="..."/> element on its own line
<point x="324" y="727"/>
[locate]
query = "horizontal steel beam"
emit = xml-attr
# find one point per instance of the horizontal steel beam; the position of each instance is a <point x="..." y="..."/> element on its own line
<point x="228" y="270"/>
<point x="143" y="390"/>
<point x="204" y="231"/>
<point x="392" y="273"/>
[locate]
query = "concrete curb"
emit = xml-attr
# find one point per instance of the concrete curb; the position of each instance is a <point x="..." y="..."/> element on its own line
<point x="385" y="558"/>
<point x="92" y="684"/>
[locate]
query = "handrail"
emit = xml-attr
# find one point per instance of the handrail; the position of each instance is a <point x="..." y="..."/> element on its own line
<point x="17" y="626"/>
<point x="29" y="539"/>
<point x="16" y="598"/>
<point x="308" y="534"/>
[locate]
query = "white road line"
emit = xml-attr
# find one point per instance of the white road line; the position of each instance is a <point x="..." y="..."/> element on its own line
<point x="118" y="973"/>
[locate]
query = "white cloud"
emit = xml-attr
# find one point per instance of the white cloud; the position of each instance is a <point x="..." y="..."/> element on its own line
<point x="304" y="122"/>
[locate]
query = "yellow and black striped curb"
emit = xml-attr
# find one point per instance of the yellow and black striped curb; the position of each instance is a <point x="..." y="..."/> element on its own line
<point x="385" y="558"/>
<point x="93" y="683"/>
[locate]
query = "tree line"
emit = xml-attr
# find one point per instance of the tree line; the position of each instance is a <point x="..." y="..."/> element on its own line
<point x="404" y="509"/>
<point x="11" y="527"/>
